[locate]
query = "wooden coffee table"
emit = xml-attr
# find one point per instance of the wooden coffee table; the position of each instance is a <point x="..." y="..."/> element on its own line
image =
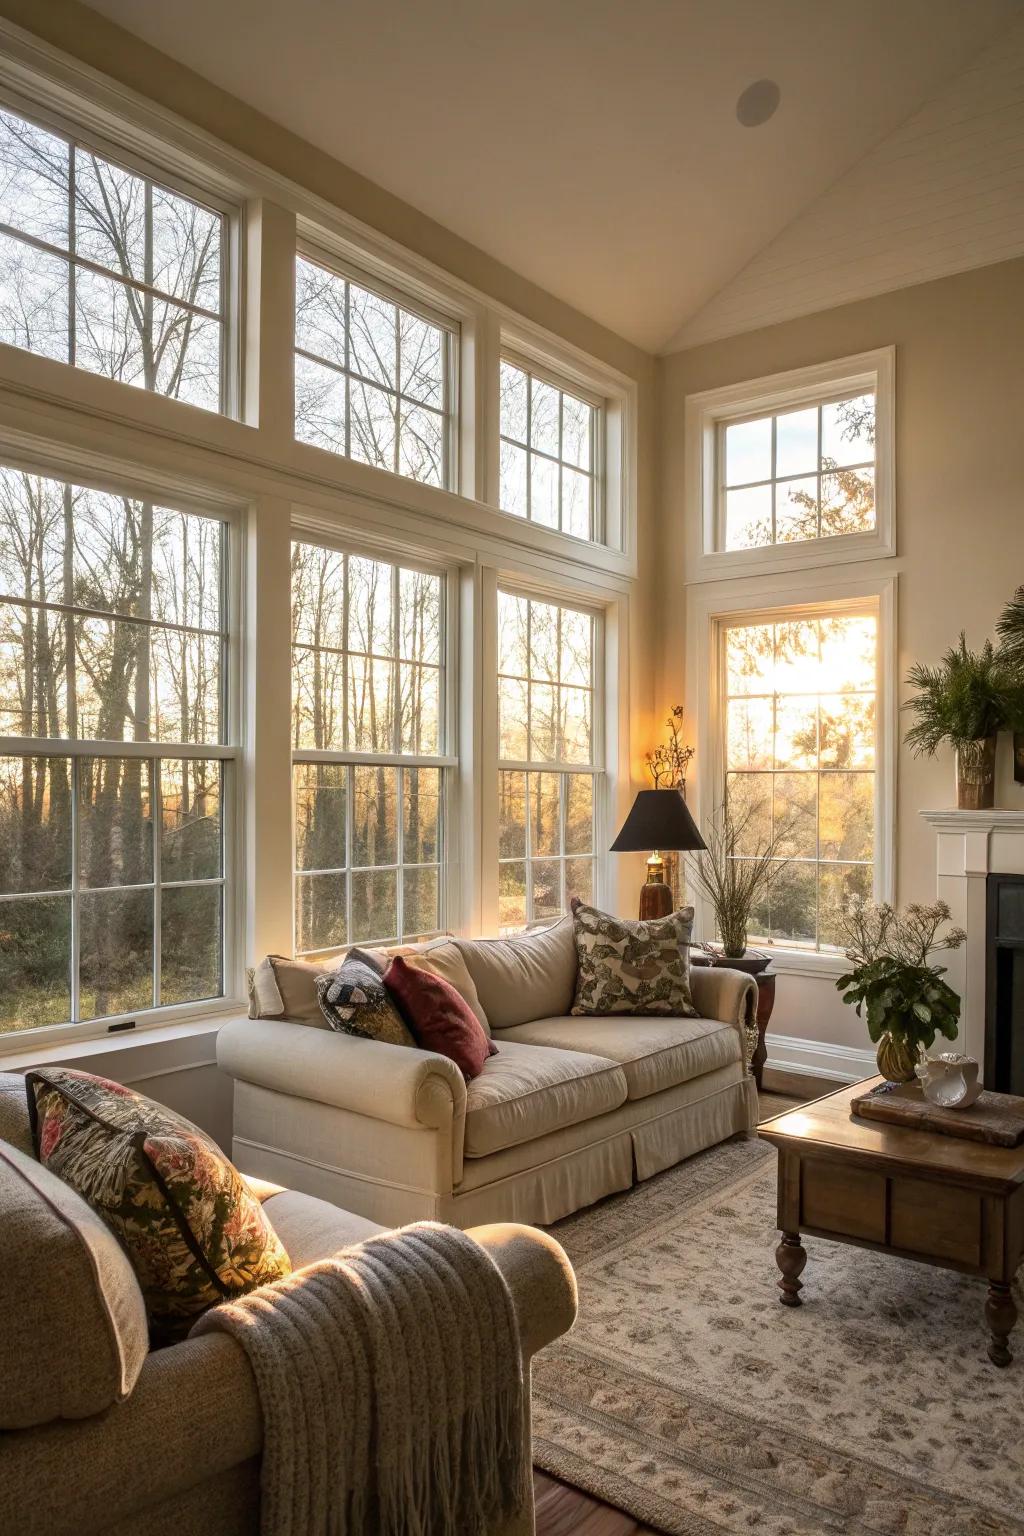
<point x="939" y="1199"/>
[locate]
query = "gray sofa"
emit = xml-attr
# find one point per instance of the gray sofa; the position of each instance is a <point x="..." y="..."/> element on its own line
<point x="569" y="1110"/>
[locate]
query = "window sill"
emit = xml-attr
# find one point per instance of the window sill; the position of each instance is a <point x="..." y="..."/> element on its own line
<point x="800" y="962"/>
<point x="95" y="1047"/>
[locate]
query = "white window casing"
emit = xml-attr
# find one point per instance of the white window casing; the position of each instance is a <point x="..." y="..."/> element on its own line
<point x="709" y="414"/>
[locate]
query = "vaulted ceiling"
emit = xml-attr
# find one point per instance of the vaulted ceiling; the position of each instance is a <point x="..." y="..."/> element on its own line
<point x="593" y="145"/>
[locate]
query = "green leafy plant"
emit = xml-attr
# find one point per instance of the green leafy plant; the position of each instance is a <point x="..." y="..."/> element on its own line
<point x="732" y="873"/>
<point x="892" y="985"/>
<point x="961" y="701"/>
<point x="1010" y="628"/>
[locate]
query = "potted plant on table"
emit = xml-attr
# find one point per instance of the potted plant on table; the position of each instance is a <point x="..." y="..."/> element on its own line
<point x="963" y="702"/>
<point x="902" y="998"/>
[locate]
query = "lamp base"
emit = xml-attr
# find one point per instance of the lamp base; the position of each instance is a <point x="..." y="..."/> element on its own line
<point x="655" y="900"/>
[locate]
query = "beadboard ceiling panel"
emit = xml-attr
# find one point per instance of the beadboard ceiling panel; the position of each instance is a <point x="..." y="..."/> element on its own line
<point x="942" y="194"/>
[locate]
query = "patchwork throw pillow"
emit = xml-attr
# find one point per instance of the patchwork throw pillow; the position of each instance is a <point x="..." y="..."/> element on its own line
<point x="632" y="967"/>
<point x="355" y="1001"/>
<point x="194" y="1232"/>
<point x="440" y="1017"/>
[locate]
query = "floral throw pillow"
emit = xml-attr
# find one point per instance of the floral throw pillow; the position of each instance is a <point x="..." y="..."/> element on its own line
<point x="632" y="967"/>
<point x="194" y="1232"/>
<point x="355" y="1001"/>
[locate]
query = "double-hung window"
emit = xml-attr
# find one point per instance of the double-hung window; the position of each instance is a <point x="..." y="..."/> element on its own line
<point x="107" y="269"/>
<point x="114" y="768"/>
<point x="799" y="706"/>
<point x="548" y="777"/>
<point x="369" y="739"/>
<point x="548" y="453"/>
<point x="374" y="378"/>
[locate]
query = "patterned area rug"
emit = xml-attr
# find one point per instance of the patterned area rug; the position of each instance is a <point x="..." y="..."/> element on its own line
<point x="687" y="1396"/>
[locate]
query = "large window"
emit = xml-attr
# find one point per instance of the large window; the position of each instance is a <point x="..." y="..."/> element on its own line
<point x="368" y="735"/>
<point x="103" y="268"/>
<point x="373" y="379"/>
<point x="547" y="780"/>
<point x="800" y="474"/>
<point x="548" y="453"/>
<point x="112" y="773"/>
<point x="800" y="696"/>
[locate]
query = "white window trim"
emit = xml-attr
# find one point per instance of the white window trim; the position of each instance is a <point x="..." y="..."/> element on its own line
<point x="133" y="481"/>
<point x="705" y="414"/>
<point x="710" y="608"/>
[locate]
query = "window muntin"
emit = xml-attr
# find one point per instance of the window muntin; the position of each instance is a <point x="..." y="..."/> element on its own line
<point x="373" y="379"/>
<point x="108" y="270"/>
<point x="368" y="735"/>
<point x="798" y="474"/>
<point x="547" y="453"/>
<point x="800" y="706"/>
<point x="112" y="780"/>
<point x="547" y="777"/>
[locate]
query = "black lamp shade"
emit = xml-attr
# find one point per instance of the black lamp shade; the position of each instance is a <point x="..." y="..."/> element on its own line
<point x="659" y="819"/>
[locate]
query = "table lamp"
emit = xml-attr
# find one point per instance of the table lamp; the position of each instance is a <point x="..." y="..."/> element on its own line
<point x="659" y="819"/>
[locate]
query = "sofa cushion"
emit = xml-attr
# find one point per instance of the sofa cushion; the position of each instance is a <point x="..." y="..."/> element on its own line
<point x="355" y="1001"/>
<point x="634" y="967"/>
<point x="193" y="1231"/>
<point x="653" y="1053"/>
<point x="280" y="988"/>
<point x="73" y="1334"/>
<point x="313" y="1229"/>
<point x="527" y="976"/>
<point x="527" y="1090"/>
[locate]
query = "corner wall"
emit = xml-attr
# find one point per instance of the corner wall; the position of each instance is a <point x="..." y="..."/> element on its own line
<point x="959" y="528"/>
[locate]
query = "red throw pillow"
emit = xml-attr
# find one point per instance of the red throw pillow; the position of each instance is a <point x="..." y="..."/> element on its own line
<point x="439" y="1017"/>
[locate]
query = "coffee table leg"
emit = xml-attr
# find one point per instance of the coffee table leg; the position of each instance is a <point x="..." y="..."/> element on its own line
<point x="1000" y="1314"/>
<point x="791" y="1256"/>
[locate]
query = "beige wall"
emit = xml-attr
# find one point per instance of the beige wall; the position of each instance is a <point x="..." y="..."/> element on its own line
<point x="959" y="512"/>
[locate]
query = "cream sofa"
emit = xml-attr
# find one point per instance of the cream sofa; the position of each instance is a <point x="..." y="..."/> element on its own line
<point x="569" y="1110"/>
<point x="100" y="1435"/>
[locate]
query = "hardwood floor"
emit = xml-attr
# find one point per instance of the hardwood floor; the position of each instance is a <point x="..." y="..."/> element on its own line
<point x="565" y="1511"/>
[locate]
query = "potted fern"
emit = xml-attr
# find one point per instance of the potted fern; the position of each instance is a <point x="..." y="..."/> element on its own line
<point x="962" y="702"/>
<point x="1011" y="653"/>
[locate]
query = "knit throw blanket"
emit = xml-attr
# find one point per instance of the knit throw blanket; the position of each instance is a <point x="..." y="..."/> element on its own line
<point x="391" y="1386"/>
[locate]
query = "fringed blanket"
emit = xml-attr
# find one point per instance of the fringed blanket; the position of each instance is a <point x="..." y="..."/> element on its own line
<point x="391" y="1386"/>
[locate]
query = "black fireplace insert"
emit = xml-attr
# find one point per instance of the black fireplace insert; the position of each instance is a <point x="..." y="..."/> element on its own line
<point x="1004" y="984"/>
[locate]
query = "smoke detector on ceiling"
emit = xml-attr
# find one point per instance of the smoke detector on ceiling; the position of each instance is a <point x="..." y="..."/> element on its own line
<point x="758" y="103"/>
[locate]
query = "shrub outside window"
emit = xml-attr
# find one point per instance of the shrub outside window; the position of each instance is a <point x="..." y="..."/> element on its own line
<point x="109" y="270"/>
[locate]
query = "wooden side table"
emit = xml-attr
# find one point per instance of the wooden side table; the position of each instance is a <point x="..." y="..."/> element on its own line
<point x="765" y="1003"/>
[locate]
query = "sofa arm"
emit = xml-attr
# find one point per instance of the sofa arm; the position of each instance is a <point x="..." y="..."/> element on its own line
<point x="539" y="1276"/>
<point x="385" y="1082"/>
<point x="719" y="993"/>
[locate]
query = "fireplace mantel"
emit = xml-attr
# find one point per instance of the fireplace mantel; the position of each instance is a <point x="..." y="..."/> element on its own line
<point x="971" y="845"/>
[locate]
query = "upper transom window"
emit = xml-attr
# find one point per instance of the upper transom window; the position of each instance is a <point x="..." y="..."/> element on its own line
<point x="108" y="270"/>
<point x="800" y="474"/>
<point x="548" y="453"/>
<point x="373" y="380"/>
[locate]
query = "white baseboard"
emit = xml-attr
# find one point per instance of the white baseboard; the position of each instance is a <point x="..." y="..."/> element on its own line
<point x="816" y="1058"/>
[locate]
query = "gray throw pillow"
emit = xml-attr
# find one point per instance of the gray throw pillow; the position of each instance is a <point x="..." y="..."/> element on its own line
<point x="355" y="1001"/>
<point x="632" y="966"/>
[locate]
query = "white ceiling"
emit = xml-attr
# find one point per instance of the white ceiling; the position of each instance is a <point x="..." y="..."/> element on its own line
<point x="591" y="145"/>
